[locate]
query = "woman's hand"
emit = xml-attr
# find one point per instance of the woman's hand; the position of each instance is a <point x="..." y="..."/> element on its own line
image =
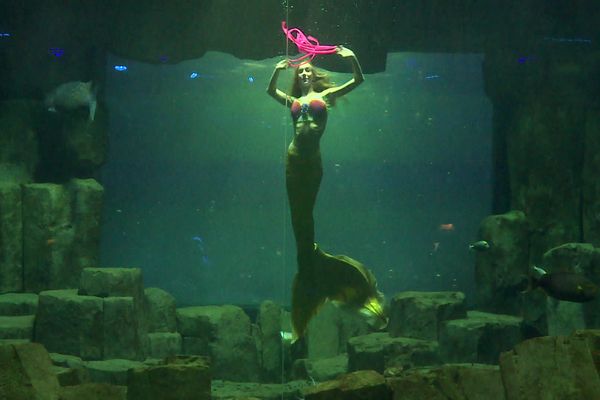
<point x="344" y="52"/>
<point x="283" y="64"/>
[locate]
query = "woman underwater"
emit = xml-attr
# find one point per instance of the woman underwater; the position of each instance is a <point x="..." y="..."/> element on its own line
<point x="320" y="276"/>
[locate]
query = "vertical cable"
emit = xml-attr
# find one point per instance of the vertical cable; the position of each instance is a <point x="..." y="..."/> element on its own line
<point x="284" y="214"/>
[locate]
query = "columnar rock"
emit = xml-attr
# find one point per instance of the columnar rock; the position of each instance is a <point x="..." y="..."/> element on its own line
<point x="179" y="378"/>
<point x="379" y="351"/>
<point x="550" y="367"/>
<point x="590" y="198"/>
<point x="228" y="333"/>
<point x="69" y="323"/>
<point x="11" y="238"/>
<point x="161" y="309"/>
<point x="479" y="338"/>
<point x="269" y="322"/>
<point x="120" y="323"/>
<point x="61" y="233"/>
<point x="127" y="284"/>
<point x="501" y="270"/>
<point x="420" y="315"/>
<point x="87" y="197"/>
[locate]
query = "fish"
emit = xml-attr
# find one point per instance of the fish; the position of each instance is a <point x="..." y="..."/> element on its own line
<point x="446" y="227"/>
<point x="480" y="245"/>
<point x="73" y="95"/>
<point x="564" y="285"/>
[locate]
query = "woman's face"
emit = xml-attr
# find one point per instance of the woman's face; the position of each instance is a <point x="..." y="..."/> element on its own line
<point x="305" y="75"/>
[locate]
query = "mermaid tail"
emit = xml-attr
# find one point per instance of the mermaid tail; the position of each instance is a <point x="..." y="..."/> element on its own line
<point x="337" y="278"/>
<point x="322" y="276"/>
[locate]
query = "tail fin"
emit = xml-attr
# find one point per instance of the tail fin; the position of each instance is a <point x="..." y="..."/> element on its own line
<point x="338" y="278"/>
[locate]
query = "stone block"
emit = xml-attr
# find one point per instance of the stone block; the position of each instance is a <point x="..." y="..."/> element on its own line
<point x="11" y="238"/>
<point x="26" y="373"/>
<point x="355" y="385"/>
<point x="68" y="323"/>
<point x="499" y="271"/>
<point x="164" y="344"/>
<point x="269" y="323"/>
<point x="93" y="391"/>
<point x="329" y="330"/>
<point x="47" y="237"/>
<point x="229" y="333"/>
<point x="19" y="147"/>
<point x="479" y="338"/>
<point x="18" y="304"/>
<point x="120" y="329"/>
<point x="550" y="367"/>
<point x="179" y="378"/>
<point x="195" y="346"/>
<point x="161" y="308"/>
<point x="87" y="200"/>
<point x="452" y="381"/>
<point x="113" y="372"/>
<point x="18" y="327"/>
<point x="226" y="390"/>
<point x="117" y="282"/>
<point x="419" y="315"/>
<point x="379" y="351"/>
<point x="326" y="369"/>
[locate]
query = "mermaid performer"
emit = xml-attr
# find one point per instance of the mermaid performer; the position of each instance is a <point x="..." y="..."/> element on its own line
<point x="320" y="276"/>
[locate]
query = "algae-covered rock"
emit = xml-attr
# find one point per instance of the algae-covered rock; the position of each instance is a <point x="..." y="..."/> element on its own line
<point x="419" y="315"/>
<point x="228" y="332"/>
<point x="18" y="140"/>
<point x="479" y="338"/>
<point x="551" y="367"/>
<point x="379" y="351"/>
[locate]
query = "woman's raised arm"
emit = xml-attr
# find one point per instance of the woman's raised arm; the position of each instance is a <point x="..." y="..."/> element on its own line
<point x="357" y="77"/>
<point x="272" y="90"/>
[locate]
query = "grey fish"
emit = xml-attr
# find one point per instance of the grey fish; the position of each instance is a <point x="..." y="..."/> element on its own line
<point x="481" y="245"/>
<point x="567" y="286"/>
<point x="72" y="95"/>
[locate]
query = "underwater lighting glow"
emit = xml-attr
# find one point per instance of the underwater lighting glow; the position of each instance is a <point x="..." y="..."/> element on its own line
<point x="120" y="68"/>
<point x="194" y="75"/>
<point x="56" y="51"/>
<point x="4" y="34"/>
<point x="306" y="44"/>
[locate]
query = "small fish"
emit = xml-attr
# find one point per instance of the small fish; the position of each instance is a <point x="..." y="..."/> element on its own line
<point x="446" y="227"/>
<point x="480" y="245"/>
<point x="72" y="95"/>
<point x="567" y="286"/>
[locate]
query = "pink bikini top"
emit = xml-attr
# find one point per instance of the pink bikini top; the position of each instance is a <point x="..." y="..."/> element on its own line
<point x="316" y="108"/>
